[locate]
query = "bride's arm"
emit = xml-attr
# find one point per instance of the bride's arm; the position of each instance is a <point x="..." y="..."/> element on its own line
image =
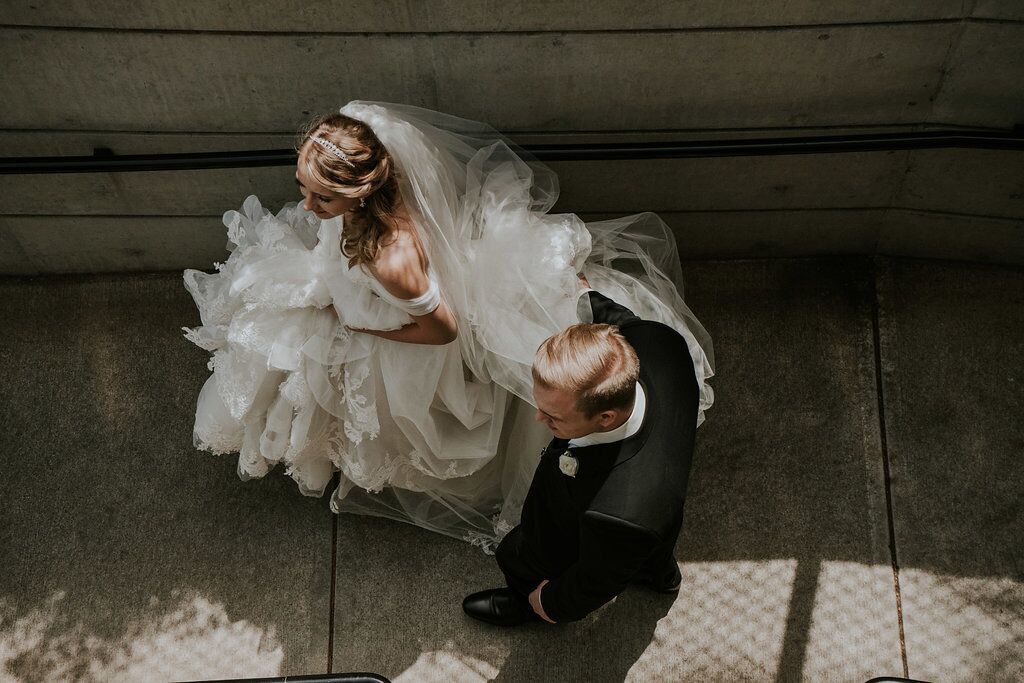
<point x="401" y="274"/>
<point x="435" y="328"/>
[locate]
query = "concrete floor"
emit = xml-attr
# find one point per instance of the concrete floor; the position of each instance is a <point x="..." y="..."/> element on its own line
<point x="853" y="512"/>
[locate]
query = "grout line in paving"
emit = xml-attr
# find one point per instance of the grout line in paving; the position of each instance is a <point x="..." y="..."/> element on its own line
<point x="876" y="331"/>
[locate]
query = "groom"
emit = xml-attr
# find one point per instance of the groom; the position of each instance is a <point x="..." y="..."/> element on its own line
<point x="606" y="503"/>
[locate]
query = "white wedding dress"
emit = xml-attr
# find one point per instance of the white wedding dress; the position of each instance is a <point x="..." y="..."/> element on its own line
<point x="439" y="436"/>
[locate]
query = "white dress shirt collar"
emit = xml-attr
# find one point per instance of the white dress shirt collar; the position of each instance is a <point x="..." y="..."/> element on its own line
<point x="625" y="430"/>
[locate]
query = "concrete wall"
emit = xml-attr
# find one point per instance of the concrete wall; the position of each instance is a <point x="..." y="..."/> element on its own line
<point x="162" y="76"/>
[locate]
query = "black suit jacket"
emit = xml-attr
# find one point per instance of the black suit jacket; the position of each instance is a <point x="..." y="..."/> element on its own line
<point x="617" y="520"/>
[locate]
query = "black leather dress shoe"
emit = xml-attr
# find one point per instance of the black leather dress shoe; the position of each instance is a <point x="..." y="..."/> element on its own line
<point x="499" y="606"/>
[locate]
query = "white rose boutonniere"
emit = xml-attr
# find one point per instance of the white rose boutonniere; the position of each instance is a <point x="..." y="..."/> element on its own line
<point x="568" y="464"/>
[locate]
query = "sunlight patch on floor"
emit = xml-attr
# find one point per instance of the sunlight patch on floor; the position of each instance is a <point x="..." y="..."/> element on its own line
<point x="854" y="629"/>
<point x="445" y="665"/>
<point x="191" y="638"/>
<point x="729" y="619"/>
<point x="963" y="628"/>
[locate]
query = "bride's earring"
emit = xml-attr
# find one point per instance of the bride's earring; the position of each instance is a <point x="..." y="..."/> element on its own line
<point x="362" y="203"/>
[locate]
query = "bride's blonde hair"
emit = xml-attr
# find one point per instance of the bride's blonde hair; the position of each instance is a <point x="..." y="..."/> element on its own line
<point x="368" y="173"/>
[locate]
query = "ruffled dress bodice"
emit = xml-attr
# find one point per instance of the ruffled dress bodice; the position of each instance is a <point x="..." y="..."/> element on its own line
<point x="293" y="384"/>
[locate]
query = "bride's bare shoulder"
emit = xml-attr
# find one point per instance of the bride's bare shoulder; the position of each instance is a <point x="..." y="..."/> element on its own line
<point x="399" y="266"/>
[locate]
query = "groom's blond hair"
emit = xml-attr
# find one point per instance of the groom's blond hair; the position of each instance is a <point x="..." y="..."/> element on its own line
<point x="592" y="361"/>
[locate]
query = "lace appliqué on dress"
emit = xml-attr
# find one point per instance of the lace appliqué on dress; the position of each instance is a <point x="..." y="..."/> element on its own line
<point x="362" y="414"/>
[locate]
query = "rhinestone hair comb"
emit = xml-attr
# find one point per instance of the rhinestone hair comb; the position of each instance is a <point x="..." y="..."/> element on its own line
<point x="332" y="148"/>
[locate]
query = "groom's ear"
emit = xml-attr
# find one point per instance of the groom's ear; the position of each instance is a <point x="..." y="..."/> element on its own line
<point x="607" y="418"/>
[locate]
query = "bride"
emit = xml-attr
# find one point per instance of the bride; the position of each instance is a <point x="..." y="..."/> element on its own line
<point x="385" y="328"/>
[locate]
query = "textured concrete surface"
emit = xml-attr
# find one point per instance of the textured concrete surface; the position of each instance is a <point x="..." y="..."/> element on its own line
<point x="82" y="143"/>
<point x="981" y="83"/>
<point x="730" y="65"/>
<point x="949" y="236"/>
<point x="207" y="192"/>
<point x="971" y="182"/>
<point x="998" y="9"/>
<point x="183" y="76"/>
<point x="98" y="244"/>
<point x="954" y="204"/>
<point x="785" y="539"/>
<point x="810" y="232"/>
<point x="786" y="512"/>
<point x="981" y="182"/>
<point x="129" y="556"/>
<point x="877" y="74"/>
<point x="126" y="554"/>
<point x="954" y="395"/>
<point x="76" y="143"/>
<point x="88" y="244"/>
<point x="763" y="234"/>
<point x="777" y="182"/>
<point x="463" y="15"/>
<point x="854" y="180"/>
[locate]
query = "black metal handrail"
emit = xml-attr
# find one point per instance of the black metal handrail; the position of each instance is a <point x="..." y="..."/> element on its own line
<point x="106" y="162"/>
<point x="311" y="678"/>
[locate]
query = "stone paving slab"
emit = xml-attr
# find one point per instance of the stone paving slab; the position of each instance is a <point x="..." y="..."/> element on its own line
<point x="127" y="554"/>
<point x="954" y="394"/>
<point x="790" y="482"/>
<point x="784" y="552"/>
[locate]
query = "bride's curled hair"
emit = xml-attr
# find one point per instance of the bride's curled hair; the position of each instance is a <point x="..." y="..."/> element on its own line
<point x="369" y="174"/>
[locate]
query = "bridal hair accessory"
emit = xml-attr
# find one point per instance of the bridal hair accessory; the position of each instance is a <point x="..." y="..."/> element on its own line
<point x="333" y="148"/>
<point x="362" y="202"/>
<point x="568" y="464"/>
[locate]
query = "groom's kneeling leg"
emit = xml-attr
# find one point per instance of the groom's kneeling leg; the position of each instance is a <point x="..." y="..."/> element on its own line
<point x="521" y="574"/>
<point x="505" y="606"/>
